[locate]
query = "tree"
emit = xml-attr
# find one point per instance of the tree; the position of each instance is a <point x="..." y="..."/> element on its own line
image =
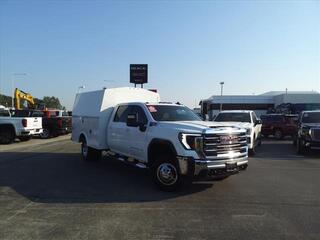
<point x="52" y="102"/>
<point x="5" y="100"/>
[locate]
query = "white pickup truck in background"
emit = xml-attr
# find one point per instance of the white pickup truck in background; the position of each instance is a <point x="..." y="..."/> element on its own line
<point x="243" y="119"/>
<point x="178" y="147"/>
<point x="22" y="128"/>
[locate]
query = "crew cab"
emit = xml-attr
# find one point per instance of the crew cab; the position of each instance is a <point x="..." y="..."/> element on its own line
<point x="308" y="136"/>
<point x="22" y="128"/>
<point x="132" y="125"/>
<point x="243" y="119"/>
<point x="54" y="123"/>
<point x="279" y="125"/>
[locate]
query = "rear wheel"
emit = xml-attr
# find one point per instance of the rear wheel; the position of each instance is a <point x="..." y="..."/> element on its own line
<point x="278" y="134"/>
<point x="166" y="174"/>
<point x="45" y="134"/>
<point x="89" y="153"/>
<point x="7" y="135"/>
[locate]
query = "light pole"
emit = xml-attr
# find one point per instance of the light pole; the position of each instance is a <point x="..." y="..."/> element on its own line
<point x="13" y="78"/>
<point x="80" y="87"/>
<point x="221" y="83"/>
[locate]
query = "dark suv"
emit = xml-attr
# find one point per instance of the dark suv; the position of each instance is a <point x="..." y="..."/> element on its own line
<point x="279" y="125"/>
<point x="308" y="136"/>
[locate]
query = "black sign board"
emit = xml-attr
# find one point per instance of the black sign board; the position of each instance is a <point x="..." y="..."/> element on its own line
<point x="138" y="73"/>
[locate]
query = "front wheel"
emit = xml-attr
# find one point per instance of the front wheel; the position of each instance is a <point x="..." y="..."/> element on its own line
<point x="300" y="148"/>
<point x="45" y="133"/>
<point x="165" y="173"/>
<point x="278" y="134"/>
<point x="252" y="151"/>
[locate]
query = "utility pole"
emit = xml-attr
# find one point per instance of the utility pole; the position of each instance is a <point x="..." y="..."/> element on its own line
<point x="221" y="83"/>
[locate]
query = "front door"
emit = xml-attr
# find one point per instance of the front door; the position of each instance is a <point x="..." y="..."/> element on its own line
<point x="138" y="135"/>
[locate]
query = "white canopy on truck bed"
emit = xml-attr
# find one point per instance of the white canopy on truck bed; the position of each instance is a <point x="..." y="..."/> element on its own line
<point x="92" y="111"/>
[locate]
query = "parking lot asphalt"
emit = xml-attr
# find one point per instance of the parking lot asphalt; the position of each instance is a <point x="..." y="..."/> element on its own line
<point x="47" y="192"/>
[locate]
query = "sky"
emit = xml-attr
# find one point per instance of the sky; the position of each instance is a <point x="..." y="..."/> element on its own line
<point x="50" y="48"/>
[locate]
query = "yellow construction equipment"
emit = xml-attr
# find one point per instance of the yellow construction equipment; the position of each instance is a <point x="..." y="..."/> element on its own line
<point x="21" y="95"/>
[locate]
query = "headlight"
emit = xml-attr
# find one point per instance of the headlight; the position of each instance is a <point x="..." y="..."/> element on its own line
<point x="305" y="131"/>
<point x="191" y="141"/>
<point x="248" y="131"/>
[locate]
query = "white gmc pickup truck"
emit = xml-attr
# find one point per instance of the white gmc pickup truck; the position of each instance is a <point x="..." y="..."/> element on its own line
<point x="243" y="119"/>
<point x="22" y="128"/>
<point x="172" y="141"/>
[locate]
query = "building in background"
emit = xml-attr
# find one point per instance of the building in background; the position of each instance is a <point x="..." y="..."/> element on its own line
<point x="270" y="102"/>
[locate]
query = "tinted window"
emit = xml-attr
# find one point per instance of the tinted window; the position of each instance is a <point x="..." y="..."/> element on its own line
<point x="122" y="113"/>
<point x="4" y="113"/>
<point x="52" y="114"/>
<point x="311" y="117"/>
<point x="37" y="114"/>
<point x="233" y="117"/>
<point x="172" y="113"/>
<point x="141" y="116"/>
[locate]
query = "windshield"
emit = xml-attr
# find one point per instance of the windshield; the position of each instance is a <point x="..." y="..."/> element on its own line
<point x="233" y="117"/>
<point x="172" y="113"/>
<point x="311" y="117"/>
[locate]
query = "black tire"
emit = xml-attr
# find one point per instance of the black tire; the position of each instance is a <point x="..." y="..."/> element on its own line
<point x="89" y="153"/>
<point x="294" y="142"/>
<point x="259" y="141"/>
<point x="220" y="178"/>
<point x="7" y="135"/>
<point x="24" y="138"/>
<point x="45" y="134"/>
<point x="252" y="151"/>
<point x="300" y="149"/>
<point x="166" y="174"/>
<point x="278" y="134"/>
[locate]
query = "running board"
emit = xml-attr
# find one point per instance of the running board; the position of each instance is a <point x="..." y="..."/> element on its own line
<point x="128" y="160"/>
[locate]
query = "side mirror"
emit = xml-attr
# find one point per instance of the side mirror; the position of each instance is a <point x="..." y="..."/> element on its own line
<point x="132" y="120"/>
<point x="258" y="122"/>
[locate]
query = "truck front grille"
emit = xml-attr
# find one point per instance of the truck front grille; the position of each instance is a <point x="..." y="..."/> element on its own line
<point x="316" y="134"/>
<point x="216" y="144"/>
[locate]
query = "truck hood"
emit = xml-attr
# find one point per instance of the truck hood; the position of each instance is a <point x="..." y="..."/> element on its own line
<point x="199" y="126"/>
<point x="311" y="125"/>
<point x="236" y="124"/>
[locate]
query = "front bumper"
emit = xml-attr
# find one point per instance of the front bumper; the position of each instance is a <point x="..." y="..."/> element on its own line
<point x="312" y="144"/>
<point x="309" y="142"/>
<point x="205" y="167"/>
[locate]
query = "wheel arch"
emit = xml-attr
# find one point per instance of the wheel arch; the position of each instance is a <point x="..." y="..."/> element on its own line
<point x="82" y="136"/>
<point x="9" y="125"/>
<point x="159" y="146"/>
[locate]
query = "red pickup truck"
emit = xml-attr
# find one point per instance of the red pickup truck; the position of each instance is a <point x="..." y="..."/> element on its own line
<point x="279" y="125"/>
